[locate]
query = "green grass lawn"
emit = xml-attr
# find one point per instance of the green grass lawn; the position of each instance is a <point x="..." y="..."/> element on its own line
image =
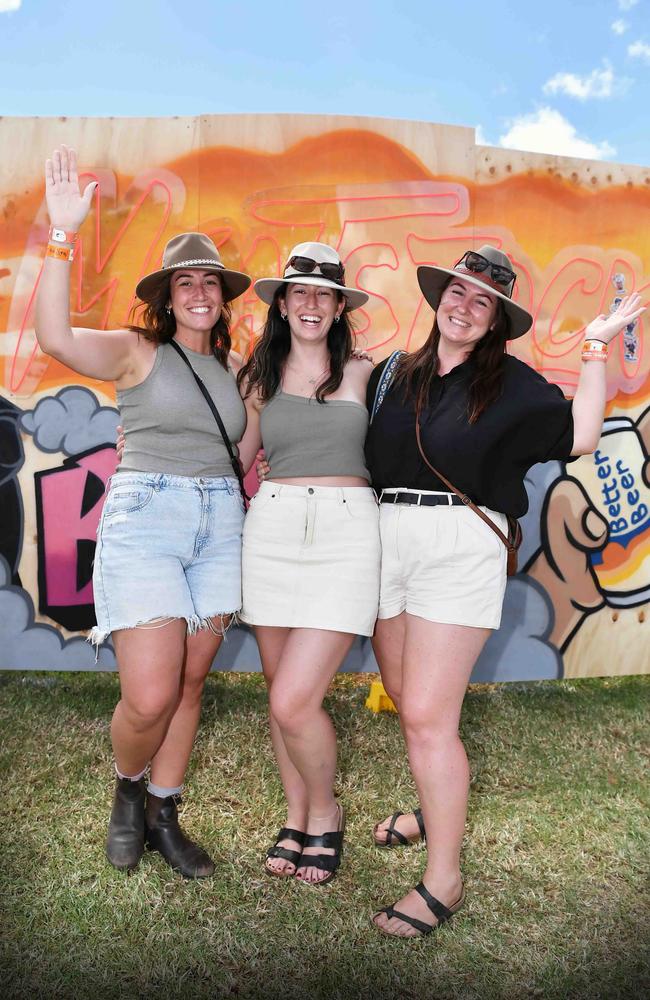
<point x="555" y="861"/>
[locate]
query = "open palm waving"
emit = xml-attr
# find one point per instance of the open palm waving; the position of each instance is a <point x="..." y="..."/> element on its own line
<point x="605" y="328"/>
<point x="66" y="205"/>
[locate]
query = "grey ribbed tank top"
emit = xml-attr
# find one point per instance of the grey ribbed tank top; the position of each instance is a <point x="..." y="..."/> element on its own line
<point x="302" y="437"/>
<point x="167" y="423"/>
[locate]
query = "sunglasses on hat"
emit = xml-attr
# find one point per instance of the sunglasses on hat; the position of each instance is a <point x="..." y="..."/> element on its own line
<point x="305" y="265"/>
<point x="477" y="263"/>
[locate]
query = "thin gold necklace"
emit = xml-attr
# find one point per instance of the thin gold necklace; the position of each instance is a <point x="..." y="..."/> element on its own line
<point x="306" y="378"/>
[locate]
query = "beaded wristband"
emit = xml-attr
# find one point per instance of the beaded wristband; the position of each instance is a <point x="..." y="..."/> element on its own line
<point x="59" y="252"/>
<point x="593" y="356"/>
<point x="57" y="235"/>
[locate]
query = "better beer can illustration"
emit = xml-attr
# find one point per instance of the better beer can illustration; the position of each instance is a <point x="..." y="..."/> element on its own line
<point x="613" y="480"/>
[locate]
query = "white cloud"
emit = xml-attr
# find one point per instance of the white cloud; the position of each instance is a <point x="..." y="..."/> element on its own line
<point x="627" y="4"/>
<point x="639" y="50"/>
<point x="9" y="5"/>
<point x="619" y="27"/>
<point x="547" y="131"/>
<point x="599" y="83"/>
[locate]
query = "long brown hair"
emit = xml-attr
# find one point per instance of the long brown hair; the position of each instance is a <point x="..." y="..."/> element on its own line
<point x="159" y="326"/>
<point x="417" y="371"/>
<point x="263" y="368"/>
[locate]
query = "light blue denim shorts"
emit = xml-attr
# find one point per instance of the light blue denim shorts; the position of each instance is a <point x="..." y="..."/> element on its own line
<point x="167" y="547"/>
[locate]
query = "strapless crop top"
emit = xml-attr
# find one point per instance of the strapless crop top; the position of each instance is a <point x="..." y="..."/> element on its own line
<point x="303" y="438"/>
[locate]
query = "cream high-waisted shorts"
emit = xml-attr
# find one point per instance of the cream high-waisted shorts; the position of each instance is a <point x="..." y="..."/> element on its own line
<point x="311" y="558"/>
<point x="442" y="563"/>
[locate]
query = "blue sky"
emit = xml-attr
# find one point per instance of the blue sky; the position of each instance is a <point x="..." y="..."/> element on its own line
<point x="569" y="77"/>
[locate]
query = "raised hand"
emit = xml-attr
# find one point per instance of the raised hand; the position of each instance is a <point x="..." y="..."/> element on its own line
<point x="605" y="328"/>
<point x="66" y="205"/>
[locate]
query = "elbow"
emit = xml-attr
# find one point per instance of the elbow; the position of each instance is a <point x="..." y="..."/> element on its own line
<point x="44" y="342"/>
<point x="41" y="331"/>
<point x="47" y="339"/>
<point x="584" y="445"/>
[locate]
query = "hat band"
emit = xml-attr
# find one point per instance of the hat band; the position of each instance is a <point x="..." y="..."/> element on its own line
<point x="194" y="263"/>
<point x="484" y="279"/>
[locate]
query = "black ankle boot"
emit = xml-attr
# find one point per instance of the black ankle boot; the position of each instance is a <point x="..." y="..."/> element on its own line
<point x="163" y="834"/>
<point x="125" y="842"/>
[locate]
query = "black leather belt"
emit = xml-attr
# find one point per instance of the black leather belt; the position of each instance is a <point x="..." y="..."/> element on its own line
<point x="423" y="499"/>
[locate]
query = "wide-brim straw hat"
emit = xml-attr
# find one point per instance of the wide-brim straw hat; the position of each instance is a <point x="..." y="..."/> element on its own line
<point x="193" y="251"/>
<point x="320" y="253"/>
<point x="432" y="281"/>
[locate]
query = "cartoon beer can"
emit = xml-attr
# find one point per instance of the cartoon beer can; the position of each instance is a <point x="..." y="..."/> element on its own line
<point x="613" y="480"/>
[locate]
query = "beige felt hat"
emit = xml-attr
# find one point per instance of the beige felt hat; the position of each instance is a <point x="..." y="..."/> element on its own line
<point x="312" y="264"/>
<point x="486" y="267"/>
<point x="193" y="250"/>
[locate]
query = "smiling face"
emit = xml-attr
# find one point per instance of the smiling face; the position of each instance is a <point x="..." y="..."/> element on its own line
<point x="311" y="310"/>
<point x="465" y="314"/>
<point x="196" y="299"/>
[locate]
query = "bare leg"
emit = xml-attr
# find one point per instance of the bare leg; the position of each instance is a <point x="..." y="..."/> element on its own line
<point x="309" y="660"/>
<point x="437" y="664"/>
<point x="170" y="761"/>
<point x="150" y="661"/>
<point x="388" y="647"/>
<point x="271" y="642"/>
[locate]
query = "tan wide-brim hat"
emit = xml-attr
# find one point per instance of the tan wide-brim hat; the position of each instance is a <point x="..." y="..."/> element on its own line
<point x="320" y="253"/>
<point x="193" y="251"/>
<point x="432" y="281"/>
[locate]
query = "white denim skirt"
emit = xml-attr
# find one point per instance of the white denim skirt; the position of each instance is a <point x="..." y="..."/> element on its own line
<point x="311" y="558"/>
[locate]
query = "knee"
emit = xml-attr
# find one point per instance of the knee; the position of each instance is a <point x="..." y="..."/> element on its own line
<point x="288" y="711"/>
<point x="149" y="710"/>
<point x="424" y="725"/>
<point x="193" y="682"/>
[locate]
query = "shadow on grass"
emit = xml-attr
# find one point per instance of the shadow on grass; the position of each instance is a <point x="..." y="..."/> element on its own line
<point x="382" y="969"/>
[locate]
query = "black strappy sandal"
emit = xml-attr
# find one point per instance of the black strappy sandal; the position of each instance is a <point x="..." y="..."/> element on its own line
<point x="326" y="862"/>
<point x="393" y="837"/>
<point x="440" y="911"/>
<point x="285" y="853"/>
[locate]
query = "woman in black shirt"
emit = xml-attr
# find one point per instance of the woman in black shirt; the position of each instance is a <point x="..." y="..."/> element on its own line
<point x="485" y="418"/>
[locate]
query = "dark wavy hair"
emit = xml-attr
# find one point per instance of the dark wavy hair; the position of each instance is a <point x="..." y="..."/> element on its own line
<point x="159" y="326"/>
<point x="263" y="369"/>
<point x="417" y="371"/>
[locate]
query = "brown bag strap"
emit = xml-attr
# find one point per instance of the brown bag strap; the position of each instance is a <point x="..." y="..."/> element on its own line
<point x="463" y="496"/>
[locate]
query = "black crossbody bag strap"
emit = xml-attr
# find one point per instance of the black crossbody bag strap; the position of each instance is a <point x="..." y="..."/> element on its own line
<point x="234" y="461"/>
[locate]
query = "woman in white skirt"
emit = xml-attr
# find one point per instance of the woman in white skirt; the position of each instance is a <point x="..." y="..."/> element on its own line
<point x="311" y="551"/>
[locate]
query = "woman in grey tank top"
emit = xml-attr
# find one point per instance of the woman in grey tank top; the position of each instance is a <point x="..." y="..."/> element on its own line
<point x="168" y="558"/>
<point x="310" y="558"/>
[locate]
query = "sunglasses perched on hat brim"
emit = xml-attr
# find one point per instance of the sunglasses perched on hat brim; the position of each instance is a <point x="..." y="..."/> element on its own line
<point x="475" y="262"/>
<point x="329" y="270"/>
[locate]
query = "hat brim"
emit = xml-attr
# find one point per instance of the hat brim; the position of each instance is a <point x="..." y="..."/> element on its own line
<point x="234" y="283"/>
<point x="432" y="281"/>
<point x="265" y="288"/>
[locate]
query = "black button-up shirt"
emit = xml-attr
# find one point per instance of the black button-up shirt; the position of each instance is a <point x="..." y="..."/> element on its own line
<point x="530" y="422"/>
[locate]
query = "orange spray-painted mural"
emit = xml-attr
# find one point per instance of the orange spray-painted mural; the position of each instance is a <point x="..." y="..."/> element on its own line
<point x="389" y="195"/>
